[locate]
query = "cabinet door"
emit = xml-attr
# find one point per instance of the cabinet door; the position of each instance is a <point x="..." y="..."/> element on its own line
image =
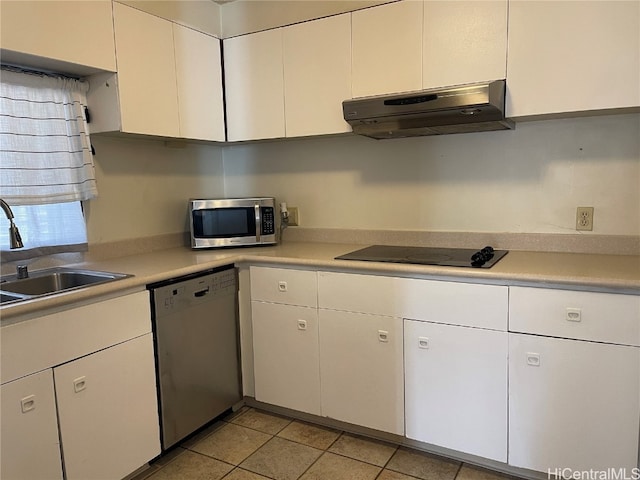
<point x="30" y="442"/>
<point x="254" y="87"/>
<point x="361" y="369"/>
<point x="108" y="411"/>
<point x="317" y="75"/>
<point x="79" y="33"/>
<point x="456" y="388"/>
<point x="285" y="351"/>
<point x="572" y="404"/>
<point x="561" y="56"/>
<point x="387" y="49"/>
<point x="146" y="73"/>
<point x="199" y="80"/>
<point x="464" y="42"/>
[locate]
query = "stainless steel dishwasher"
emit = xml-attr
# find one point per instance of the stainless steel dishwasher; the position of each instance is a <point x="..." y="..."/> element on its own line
<point x="195" y="323"/>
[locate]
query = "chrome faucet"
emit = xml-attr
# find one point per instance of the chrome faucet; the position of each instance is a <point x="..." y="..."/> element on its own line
<point x="14" y="235"/>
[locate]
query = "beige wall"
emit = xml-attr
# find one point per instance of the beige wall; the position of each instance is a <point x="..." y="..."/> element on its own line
<point x="527" y="180"/>
<point x="144" y="186"/>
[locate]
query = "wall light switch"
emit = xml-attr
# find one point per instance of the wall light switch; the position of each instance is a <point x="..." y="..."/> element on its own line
<point x="294" y="219"/>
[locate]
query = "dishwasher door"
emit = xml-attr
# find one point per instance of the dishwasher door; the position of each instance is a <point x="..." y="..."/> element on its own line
<point x="197" y="350"/>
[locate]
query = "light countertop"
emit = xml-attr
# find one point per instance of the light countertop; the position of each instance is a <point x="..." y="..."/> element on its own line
<point x="592" y="272"/>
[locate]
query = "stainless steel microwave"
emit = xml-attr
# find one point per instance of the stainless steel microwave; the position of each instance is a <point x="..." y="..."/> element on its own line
<point x="229" y="222"/>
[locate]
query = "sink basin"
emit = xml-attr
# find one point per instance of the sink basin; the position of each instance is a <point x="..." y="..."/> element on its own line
<point x="7" y="297"/>
<point x="54" y="280"/>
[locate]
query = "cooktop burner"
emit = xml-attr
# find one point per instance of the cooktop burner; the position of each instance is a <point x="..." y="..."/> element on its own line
<point x="449" y="257"/>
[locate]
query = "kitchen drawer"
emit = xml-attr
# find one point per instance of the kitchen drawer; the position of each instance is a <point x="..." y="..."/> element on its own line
<point x="466" y="304"/>
<point x="600" y="317"/>
<point x="283" y="285"/>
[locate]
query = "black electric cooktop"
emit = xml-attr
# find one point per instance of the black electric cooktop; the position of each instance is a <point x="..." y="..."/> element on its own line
<point x="449" y="257"/>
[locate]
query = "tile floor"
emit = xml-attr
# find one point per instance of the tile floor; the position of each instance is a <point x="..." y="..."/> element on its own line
<point x="255" y="445"/>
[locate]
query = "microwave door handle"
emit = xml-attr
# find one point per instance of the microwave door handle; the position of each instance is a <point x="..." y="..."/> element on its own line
<point x="257" y="212"/>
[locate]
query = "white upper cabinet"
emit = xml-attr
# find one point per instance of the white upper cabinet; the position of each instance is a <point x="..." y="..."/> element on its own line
<point x="59" y="32"/>
<point x="569" y="56"/>
<point x="254" y="86"/>
<point x="146" y="73"/>
<point x="169" y="81"/>
<point x="464" y="42"/>
<point x="387" y="49"/>
<point x="317" y="75"/>
<point x="199" y="82"/>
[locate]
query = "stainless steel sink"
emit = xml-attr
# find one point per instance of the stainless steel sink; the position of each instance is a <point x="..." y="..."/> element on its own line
<point x="7" y="297"/>
<point x="51" y="281"/>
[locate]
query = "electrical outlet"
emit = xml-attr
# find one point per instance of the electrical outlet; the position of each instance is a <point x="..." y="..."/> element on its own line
<point x="584" y="218"/>
<point x="294" y="220"/>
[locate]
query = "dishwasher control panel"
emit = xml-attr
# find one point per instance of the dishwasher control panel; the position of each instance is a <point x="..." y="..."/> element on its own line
<point x="193" y="291"/>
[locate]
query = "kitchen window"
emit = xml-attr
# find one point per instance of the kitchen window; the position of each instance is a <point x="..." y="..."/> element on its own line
<point x="46" y="165"/>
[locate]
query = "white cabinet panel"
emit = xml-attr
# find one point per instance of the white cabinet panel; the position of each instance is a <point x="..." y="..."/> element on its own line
<point x="601" y="317"/>
<point x="30" y="442"/>
<point x="169" y="81"/>
<point x="108" y="411"/>
<point x="285" y="349"/>
<point x="79" y="33"/>
<point x="387" y="49"/>
<point x="146" y="73"/>
<point x="317" y="75"/>
<point x="353" y="292"/>
<point x="467" y="304"/>
<point x="361" y="370"/>
<point x="284" y="285"/>
<point x="456" y="388"/>
<point x="254" y="86"/>
<point x="43" y="342"/>
<point x="572" y="404"/>
<point x="561" y="56"/>
<point x="199" y="83"/>
<point x="464" y="42"/>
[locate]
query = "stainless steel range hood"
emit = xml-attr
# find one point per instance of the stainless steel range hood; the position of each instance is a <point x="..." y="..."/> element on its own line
<point x="460" y="109"/>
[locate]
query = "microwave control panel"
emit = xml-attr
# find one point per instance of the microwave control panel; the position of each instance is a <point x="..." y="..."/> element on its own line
<point x="268" y="221"/>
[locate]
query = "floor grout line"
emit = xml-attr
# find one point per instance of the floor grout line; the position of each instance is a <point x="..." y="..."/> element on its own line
<point x="222" y="423"/>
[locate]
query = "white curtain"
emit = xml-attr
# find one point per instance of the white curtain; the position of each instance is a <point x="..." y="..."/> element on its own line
<point x="45" y="151"/>
<point x="46" y="166"/>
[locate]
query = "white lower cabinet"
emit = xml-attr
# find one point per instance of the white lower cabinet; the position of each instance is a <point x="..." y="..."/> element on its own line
<point x="29" y="432"/>
<point x="107" y="411"/>
<point x="536" y="378"/>
<point x="456" y="387"/>
<point x="79" y="392"/>
<point x="574" y="380"/>
<point x="285" y="351"/>
<point x="361" y="369"/>
<point x="572" y="404"/>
